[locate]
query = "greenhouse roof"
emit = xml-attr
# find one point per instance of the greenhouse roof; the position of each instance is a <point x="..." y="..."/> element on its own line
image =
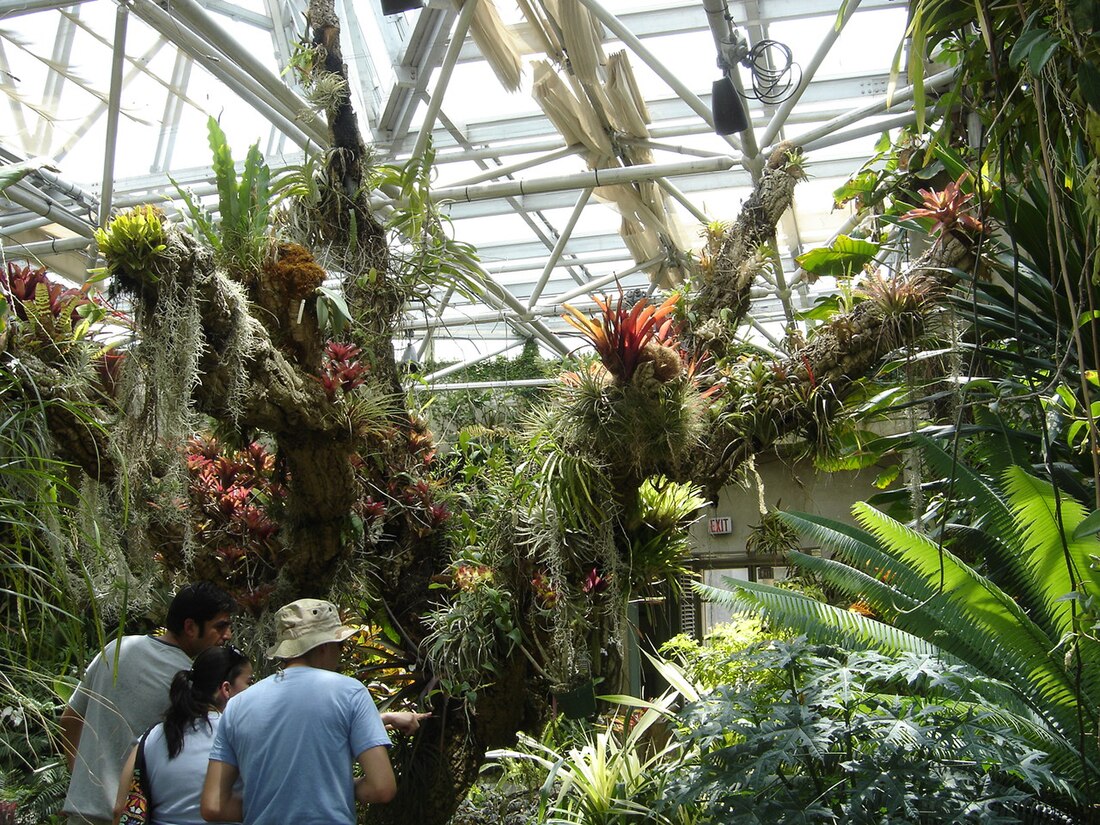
<point x="574" y="139"/>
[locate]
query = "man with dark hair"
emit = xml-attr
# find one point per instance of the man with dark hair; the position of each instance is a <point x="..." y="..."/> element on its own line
<point x="125" y="690"/>
<point x="293" y="736"/>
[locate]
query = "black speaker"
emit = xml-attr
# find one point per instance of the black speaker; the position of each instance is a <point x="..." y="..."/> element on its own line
<point x="398" y="6"/>
<point x="729" y="110"/>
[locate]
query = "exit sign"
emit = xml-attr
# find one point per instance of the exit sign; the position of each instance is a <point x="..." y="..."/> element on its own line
<point x="720" y="526"/>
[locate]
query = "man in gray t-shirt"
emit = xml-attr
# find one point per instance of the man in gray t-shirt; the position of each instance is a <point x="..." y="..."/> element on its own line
<point x="125" y="690"/>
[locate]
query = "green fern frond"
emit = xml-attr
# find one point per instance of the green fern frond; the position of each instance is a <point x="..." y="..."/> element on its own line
<point x="861" y="550"/>
<point x="819" y="621"/>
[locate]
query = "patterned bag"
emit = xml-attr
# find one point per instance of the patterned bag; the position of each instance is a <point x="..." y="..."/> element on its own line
<point x="138" y="800"/>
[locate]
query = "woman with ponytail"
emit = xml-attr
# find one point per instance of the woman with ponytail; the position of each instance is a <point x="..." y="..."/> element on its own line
<point x="177" y="749"/>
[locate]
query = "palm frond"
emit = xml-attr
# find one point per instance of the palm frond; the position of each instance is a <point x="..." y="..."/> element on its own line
<point x="819" y="621"/>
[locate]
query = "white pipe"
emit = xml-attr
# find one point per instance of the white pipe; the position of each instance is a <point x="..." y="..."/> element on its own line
<point x="446" y="69"/>
<point x="583" y="180"/>
<point x="203" y="23"/>
<point x="502" y="171"/>
<point x="864" y="130"/>
<point x="486" y="385"/>
<point x="596" y="283"/>
<point x="36" y="248"/>
<point x="485" y="356"/>
<point x="246" y="87"/>
<point x="780" y="116"/>
<point x="114" y="102"/>
<point x="874" y="108"/>
<point x="559" y="247"/>
<point x="700" y="216"/>
<point x="34" y="201"/>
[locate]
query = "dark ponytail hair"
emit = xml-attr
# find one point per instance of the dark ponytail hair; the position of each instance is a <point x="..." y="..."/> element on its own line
<point x="193" y="690"/>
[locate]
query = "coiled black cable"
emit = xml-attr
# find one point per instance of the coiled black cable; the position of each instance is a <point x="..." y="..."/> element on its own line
<point x="772" y="67"/>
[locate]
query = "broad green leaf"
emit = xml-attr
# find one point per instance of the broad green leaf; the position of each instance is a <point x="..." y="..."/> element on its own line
<point x="843" y="257"/>
<point x="15" y="172"/>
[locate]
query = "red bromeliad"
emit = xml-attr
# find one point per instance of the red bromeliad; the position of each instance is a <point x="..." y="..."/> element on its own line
<point x="947" y="208"/>
<point x="622" y="334"/>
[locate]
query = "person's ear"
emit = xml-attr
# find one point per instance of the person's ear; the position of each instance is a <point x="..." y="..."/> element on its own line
<point x="191" y="629"/>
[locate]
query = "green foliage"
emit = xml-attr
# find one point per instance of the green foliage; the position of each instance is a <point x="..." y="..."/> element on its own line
<point x="240" y="235"/>
<point x="848" y="738"/>
<point x="609" y="777"/>
<point x="659" y="543"/>
<point x="473" y="632"/>
<point x="49" y="603"/>
<point x="426" y="253"/>
<point x="843" y="258"/>
<point x="714" y="661"/>
<point x="1027" y="623"/>
<point x="134" y="243"/>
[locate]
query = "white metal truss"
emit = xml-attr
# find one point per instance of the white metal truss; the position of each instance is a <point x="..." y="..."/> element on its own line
<point x="139" y="78"/>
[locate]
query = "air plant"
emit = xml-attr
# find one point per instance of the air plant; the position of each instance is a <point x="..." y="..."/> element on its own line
<point x="622" y="337"/>
<point x="947" y="208"/>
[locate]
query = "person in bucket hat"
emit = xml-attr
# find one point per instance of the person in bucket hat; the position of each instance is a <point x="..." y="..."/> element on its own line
<point x="293" y="736"/>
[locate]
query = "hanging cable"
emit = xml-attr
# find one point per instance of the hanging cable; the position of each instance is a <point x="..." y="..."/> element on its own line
<point x="773" y="70"/>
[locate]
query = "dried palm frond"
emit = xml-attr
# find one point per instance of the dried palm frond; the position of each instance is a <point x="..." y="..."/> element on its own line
<point x="583" y="36"/>
<point x="572" y="116"/>
<point x="497" y="44"/>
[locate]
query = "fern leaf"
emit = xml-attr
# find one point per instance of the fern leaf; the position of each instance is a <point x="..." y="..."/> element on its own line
<point x="819" y="621"/>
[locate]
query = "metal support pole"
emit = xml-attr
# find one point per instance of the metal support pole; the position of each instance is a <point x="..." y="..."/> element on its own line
<point x="879" y="106"/>
<point x="494" y="172"/>
<point x="559" y="247"/>
<point x="866" y="129"/>
<point x="780" y="117"/>
<point x="485" y="356"/>
<point x="687" y="95"/>
<point x="422" y="350"/>
<point x="545" y="334"/>
<point x="36" y="248"/>
<point x="700" y="216"/>
<point x="603" y="280"/>
<point x="246" y="87"/>
<point x="583" y="180"/>
<point x="118" y="58"/>
<point x="446" y="68"/>
<point x="30" y="198"/>
<point x="272" y="85"/>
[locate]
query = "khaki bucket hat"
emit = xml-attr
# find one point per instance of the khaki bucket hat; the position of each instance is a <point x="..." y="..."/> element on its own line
<point x="303" y="625"/>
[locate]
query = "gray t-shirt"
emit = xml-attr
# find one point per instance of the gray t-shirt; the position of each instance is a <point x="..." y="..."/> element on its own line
<point x="116" y="711"/>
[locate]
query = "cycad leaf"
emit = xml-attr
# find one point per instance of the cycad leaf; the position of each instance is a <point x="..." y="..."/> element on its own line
<point x="819" y="621"/>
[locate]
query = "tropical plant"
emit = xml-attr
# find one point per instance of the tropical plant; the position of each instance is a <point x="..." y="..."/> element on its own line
<point x="823" y="736"/>
<point x="627" y="337"/>
<point x="240" y="235"/>
<point x="612" y="776"/>
<point x="50" y="561"/>
<point x="1024" y="618"/>
<point x="714" y="660"/>
<point x="658" y="533"/>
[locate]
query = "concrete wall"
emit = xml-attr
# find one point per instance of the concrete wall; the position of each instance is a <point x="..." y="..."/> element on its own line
<point x="799" y="486"/>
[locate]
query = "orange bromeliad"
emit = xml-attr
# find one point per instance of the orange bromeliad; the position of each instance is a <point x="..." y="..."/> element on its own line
<point x="622" y="334"/>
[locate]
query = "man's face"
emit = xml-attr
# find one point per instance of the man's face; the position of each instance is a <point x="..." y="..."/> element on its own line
<point x="197" y="638"/>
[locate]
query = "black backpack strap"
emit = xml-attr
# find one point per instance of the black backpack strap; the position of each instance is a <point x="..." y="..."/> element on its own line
<point x="143" y="773"/>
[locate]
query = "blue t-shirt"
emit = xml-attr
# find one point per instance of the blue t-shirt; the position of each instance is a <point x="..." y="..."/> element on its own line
<point x="293" y="736"/>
